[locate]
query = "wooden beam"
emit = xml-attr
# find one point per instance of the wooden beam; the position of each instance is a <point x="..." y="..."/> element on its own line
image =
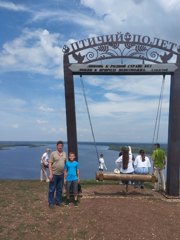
<point x="173" y="162"/>
<point x="126" y="177"/>
<point x="70" y="110"/>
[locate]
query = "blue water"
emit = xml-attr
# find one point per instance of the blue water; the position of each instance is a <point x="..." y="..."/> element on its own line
<point x="21" y="161"/>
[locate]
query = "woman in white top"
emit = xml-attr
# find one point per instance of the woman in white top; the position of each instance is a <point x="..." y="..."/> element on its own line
<point x="102" y="164"/>
<point x="142" y="165"/>
<point x="125" y="163"/>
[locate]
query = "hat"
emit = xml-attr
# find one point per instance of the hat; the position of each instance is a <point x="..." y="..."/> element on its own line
<point x="48" y="149"/>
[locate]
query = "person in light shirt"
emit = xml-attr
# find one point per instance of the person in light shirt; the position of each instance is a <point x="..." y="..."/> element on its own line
<point x="102" y="164"/>
<point x="142" y="165"/>
<point x="45" y="165"/>
<point x="125" y="164"/>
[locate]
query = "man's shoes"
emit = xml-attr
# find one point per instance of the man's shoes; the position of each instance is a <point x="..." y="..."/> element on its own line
<point x="59" y="205"/>
<point x="76" y="203"/>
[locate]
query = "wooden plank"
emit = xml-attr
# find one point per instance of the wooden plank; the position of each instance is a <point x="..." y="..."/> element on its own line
<point x="126" y="177"/>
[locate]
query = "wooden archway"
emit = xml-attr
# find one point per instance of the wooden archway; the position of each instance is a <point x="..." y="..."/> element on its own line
<point x="129" y="46"/>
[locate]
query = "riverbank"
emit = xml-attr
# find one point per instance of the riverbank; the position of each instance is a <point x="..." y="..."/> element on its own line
<point x="136" y="147"/>
<point x="104" y="212"/>
<point x="148" y="147"/>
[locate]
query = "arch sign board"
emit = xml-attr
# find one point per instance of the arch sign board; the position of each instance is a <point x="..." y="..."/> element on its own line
<point x="127" y="54"/>
<point x="123" y="69"/>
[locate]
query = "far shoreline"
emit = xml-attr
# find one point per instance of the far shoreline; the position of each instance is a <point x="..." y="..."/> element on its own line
<point x="115" y="146"/>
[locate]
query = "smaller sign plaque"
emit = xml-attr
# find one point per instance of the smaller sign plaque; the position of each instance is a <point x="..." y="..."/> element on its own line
<point x="120" y="69"/>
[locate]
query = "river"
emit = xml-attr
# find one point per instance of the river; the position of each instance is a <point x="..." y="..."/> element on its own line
<point x="21" y="160"/>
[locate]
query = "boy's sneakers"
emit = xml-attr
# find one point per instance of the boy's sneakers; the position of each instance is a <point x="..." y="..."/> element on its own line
<point x="76" y="203"/>
<point x="67" y="202"/>
<point x="51" y="206"/>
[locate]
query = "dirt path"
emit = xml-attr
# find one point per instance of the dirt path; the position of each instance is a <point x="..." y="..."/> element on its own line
<point x="105" y="212"/>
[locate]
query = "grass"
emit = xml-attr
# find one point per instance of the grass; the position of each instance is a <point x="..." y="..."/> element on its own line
<point x="22" y="210"/>
<point x="25" y="213"/>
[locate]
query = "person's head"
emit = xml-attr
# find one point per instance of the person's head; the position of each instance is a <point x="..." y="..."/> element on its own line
<point x="142" y="153"/>
<point x="101" y="155"/>
<point x="59" y="146"/>
<point x="72" y="156"/>
<point x="48" y="150"/>
<point x="157" y="145"/>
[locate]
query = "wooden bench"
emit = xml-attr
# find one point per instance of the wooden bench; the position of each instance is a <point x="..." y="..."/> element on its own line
<point x="126" y="177"/>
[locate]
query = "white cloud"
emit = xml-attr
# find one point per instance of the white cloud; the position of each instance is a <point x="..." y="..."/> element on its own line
<point x="136" y="85"/>
<point x="46" y="109"/>
<point x="34" y="51"/>
<point x="53" y="130"/>
<point x="113" y="97"/>
<point x="122" y="107"/>
<point x="12" y="104"/>
<point x="141" y="17"/>
<point x="59" y="86"/>
<point x="78" y="17"/>
<point x="170" y="5"/>
<point x="12" y="6"/>
<point x="15" y="125"/>
<point x="62" y="130"/>
<point x="41" y="121"/>
<point x="128" y="105"/>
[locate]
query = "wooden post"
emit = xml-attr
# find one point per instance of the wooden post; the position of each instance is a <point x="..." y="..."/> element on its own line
<point x="173" y="156"/>
<point x="70" y="110"/>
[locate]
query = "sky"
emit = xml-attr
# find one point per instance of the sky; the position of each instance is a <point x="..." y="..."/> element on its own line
<point x="32" y="101"/>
